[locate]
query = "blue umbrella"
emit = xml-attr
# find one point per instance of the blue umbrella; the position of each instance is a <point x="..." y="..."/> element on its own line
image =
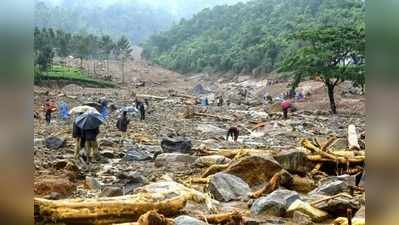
<point x="89" y="121"/>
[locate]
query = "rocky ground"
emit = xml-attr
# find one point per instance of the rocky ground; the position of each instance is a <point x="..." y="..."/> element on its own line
<point x="279" y="171"/>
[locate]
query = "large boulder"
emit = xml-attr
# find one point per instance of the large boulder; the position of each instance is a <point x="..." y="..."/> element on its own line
<point x="188" y="220"/>
<point x="254" y="169"/>
<point x="331" y="188"/>
<point x="226" y="187"/>
<point x="206" y="161"/>
<point x="315" y="214"/>
<point x="275" y="204"/>
<point x="295" y="161"/>
<point x="338" y="206"/>
<point x="136" y="154"/>
<point x="176" y="160"/>
<point x="54" y="142"/>
<point x="178" y="144"/>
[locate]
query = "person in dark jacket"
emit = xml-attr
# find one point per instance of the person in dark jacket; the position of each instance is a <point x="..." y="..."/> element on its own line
<point x="234" y="132"/>
<point x="140" y="106"/>
<point x="122" y="124"/>
<point x="91" y="145"/>
<point x="79" y="139"/>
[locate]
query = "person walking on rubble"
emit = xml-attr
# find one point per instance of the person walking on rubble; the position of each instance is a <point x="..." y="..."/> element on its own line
<point x="285" y="105"/>
<point x="91" y="145"/>
<point x="77" y="134"/>
<point x="48" y="109"/>
<point x="140" y="106"/>
<point x="234" y="132"/>
<point x="122" y="125"/>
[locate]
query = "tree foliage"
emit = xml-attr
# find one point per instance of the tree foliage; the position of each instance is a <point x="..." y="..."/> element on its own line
<point x="334" y="54"/>
<point x="246" y="37"/>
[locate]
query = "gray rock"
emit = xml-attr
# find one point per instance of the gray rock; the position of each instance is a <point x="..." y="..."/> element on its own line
<point x="111" y="192"/>
<point x="338" y="206"/>
<point x="188" y="220"/>
<point x="93" y="183"/>
<point x="350" y="180"/>
<point x="275" y="204"/>
<point x="106" y="142"/>
<point x="177" y="144"/>
<point x="54" y="142"/>
<point x="300" y="218"/>
<point x="294" y="161"/>
<point x="136" y="154"/>
<point x="174" y="160"/>
<point x="331" y="188"/>
<point x="60" y="164"/>
<point x="226" y="187"/>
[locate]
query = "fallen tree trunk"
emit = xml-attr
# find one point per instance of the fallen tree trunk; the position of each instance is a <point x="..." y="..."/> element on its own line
<point x="107" y="210"/>
<point x="353" y="142"/>
<point x="270" y="186"/>
<point x="234" y="217"/>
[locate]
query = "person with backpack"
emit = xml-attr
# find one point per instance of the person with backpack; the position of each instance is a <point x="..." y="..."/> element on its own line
<point x="285" y="105"/>
<point x="122" y="124"/>
<point x="48" y="109"/>
<point x="234" y="132"/>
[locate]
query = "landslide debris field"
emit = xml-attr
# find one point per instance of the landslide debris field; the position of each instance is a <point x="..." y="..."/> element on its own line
<point x="177" y="168"/>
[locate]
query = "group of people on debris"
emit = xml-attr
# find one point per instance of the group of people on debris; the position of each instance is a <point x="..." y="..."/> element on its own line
<point x="87" y="138"/>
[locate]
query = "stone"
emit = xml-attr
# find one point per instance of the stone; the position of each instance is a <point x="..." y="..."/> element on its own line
<point x="331" y="188"/>
<point x="275" y="203"/>
<point x="254" y="170"/>
<point x="188" y="220"/>
<point x="206" y="161"/>
<point x="348" y="179"/>
<point x="93" y="184"/>
<point x="104" y="142"/>
<point x="54" y="142"/>
<point x="111" y="192"/>
<point x="300" y="218"/>
<point x="39" y="142"/>
<point x="177" y="144"/>
<point x="174" y="160"/>
<point x="135" y="154"/>
<point x="108" y="154"/>
<point x="49" y="184"/>
<point x="295" y="161"/>
<point x="315" y="214"/>
<point x="226" y="187"/>
<point x="338" y="206"/>
<point x="60" y="164"/>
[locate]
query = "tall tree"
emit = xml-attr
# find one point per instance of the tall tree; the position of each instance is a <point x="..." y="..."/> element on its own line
<point x="334" y="54"/>
<point x="123" y="50"/>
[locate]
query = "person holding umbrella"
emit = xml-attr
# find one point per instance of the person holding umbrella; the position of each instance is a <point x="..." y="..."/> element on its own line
<point x="89" y="124"/>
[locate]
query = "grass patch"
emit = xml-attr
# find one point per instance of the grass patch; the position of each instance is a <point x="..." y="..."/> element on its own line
<point x="62" y="73"/>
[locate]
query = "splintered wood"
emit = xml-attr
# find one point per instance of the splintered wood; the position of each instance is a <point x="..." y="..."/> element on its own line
<point x="107" y="210"/>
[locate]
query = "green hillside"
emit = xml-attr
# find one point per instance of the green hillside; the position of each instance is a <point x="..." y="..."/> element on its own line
<point x="246" y="37"/>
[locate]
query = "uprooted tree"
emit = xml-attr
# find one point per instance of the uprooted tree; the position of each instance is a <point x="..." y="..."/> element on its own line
<point x="334" y="54"/>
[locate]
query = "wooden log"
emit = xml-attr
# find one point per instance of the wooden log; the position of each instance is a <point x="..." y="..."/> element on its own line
<point x="234" y="217"/>
<point x="326" y="145"/>
<point x="353" y="142"/>
<point x="107" y="210"/>
<point x="214" y="169"/>
<point x="270" y="186"/>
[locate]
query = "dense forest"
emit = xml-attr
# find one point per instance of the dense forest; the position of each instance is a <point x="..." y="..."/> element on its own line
<point x="250" y="37"/>
<point x="136" y="19"/>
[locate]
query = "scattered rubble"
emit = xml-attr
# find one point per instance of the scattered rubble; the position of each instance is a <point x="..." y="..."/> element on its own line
<point x="177" y="168"/>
